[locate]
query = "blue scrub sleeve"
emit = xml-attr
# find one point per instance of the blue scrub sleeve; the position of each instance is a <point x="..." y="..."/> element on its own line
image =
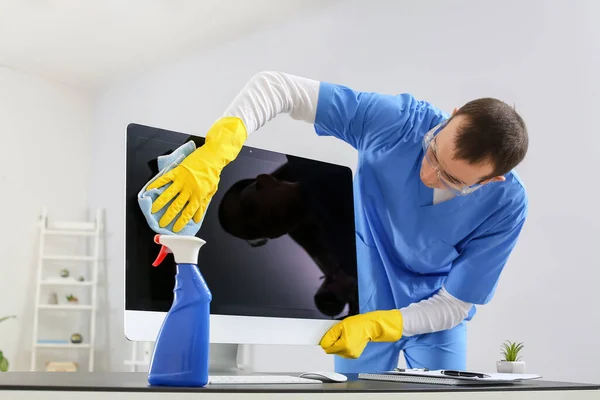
<point x="368" y="120"/>
<point x="475" y="273"/>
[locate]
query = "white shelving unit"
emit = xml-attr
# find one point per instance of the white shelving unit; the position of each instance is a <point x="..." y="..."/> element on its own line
<point x="90" y="230"/>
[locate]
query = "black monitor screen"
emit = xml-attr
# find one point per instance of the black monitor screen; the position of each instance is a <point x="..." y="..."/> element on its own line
<point x="279" y="232"/>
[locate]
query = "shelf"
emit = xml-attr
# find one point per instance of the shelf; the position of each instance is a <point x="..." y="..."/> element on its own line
<point x="63" y="345"/>
<point x="72" y="226"/>
<point x="68" y="307"/>
<point x="68" y="258"/>
<point x="57" y="232"/>
<point x="65" y="282"/>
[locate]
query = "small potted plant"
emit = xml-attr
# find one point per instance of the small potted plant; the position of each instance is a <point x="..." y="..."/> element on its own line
<point x="3" y="360"/>
<point x="511" y="360"/>
<point x="72" y="299"/>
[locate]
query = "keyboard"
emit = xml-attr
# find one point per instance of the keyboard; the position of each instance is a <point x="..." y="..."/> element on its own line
<point x="257" y="379"/>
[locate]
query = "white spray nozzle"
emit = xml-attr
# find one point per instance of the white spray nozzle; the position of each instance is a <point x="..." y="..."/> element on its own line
<point x="184" y="248"/>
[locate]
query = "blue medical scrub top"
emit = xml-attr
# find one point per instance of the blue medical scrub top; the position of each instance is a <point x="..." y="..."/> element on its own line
<point x="407" y="247"/>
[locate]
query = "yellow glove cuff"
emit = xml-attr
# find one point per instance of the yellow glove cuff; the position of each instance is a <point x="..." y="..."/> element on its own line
<point x="389" y="325"/>
<point x="226" y="137"/>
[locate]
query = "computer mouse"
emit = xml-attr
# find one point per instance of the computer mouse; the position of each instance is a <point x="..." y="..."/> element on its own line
<point x="326" y="377"/>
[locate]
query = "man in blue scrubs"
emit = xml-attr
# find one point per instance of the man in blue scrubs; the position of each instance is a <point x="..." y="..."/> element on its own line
<point x="438" y="208"/>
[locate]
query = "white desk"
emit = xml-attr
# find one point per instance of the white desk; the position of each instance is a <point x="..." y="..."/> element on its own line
<point x="133" y="386"/>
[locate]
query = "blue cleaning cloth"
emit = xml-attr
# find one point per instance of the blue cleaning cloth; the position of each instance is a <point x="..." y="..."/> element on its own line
<point x="147" y="197"/>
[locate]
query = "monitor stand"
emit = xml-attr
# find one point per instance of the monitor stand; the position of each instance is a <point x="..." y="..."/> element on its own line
<point x="230" y="359"/>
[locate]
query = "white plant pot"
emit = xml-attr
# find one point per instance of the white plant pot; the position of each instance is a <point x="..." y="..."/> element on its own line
<point x="510" y="367"/>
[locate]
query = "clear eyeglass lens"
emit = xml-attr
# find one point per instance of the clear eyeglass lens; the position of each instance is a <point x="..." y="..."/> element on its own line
<point x="429" y="146"/>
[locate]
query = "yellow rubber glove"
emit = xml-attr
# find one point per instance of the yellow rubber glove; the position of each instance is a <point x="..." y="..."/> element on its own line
<point x="196" y="179"/>
<point x="349" y="337"/>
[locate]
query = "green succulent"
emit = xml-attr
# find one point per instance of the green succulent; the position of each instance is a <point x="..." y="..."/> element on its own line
<point x="511" y="350"/>
<point x="3" y="360"/>
<point x="3" y="363"/>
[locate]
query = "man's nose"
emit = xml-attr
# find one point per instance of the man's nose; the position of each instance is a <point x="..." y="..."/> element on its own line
<point x="429" y="173"/>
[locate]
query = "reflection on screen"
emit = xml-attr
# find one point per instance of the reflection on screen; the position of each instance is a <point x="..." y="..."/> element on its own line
<point x="279" y="232"/>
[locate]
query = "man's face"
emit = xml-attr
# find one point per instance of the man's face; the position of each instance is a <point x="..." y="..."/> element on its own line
<point x="441" y="170"/>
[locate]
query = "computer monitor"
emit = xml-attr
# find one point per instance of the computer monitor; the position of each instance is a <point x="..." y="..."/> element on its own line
<point x="280" y="252"/>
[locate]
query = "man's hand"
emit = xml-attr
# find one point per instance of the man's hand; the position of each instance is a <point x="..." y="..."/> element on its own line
<point x="193" y="183"/>
<point x="349" y="337"/>
<point x="196" y="179"/>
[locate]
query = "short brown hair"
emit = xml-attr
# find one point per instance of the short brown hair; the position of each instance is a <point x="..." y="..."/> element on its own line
<point x="492" y="132"/>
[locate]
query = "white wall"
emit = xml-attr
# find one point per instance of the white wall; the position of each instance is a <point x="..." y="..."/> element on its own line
<point x="541" y="55"/>
<point x="45" y="141"/>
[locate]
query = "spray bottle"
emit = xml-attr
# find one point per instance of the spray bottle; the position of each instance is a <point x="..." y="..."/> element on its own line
<point x="180" y="355"/>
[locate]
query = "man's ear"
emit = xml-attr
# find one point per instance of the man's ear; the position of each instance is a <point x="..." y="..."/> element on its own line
<point x="454" y="111"/>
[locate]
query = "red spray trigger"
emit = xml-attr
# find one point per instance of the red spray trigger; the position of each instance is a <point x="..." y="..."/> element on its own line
<point x="164" y="250"/>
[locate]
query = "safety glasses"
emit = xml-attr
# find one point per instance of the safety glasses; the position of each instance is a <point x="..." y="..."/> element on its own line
<point x="430" y="150"/>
